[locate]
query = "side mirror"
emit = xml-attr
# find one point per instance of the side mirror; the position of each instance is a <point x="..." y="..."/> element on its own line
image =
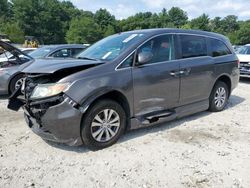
<point x="144" y="57"/>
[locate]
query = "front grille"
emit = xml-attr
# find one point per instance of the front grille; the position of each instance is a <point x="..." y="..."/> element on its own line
<point x="245" y="64"/>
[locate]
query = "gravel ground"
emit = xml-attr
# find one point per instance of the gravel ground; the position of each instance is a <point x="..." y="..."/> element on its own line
<point x="203" y="150"/>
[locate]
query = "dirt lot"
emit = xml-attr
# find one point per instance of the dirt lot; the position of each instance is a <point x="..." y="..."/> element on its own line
<point x="203" y="150"/>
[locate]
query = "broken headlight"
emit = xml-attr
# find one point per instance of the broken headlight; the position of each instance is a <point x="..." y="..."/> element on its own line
<point x="48" y="90"/>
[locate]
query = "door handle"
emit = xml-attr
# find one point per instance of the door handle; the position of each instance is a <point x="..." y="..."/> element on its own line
<point x="172" y="73"/>
<point x="185" y="71"/>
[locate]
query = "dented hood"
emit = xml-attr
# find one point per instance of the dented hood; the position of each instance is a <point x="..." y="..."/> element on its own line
<point x="53" y="65"/>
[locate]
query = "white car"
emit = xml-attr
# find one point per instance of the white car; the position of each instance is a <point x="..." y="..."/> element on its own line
<point x="244" y="57"/>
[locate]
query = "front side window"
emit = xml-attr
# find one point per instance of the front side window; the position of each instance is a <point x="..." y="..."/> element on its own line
<point x="193" y="46"/>
<point x="128" y="62"/>
<point x="218" y="48"/>
<point x="162" y="48"/>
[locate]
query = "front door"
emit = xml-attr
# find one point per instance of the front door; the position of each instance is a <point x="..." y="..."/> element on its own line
<point x="156" y="83"/>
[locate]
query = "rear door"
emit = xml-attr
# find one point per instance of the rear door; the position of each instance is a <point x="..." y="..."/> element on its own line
<point x="156" y="84"/>
<point x="196" y="69"/>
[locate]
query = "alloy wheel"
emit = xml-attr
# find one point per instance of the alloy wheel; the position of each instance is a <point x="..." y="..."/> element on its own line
<point x="220" y="97"/>
<point x="105" y="125"/>
<point x="19" y="83"/>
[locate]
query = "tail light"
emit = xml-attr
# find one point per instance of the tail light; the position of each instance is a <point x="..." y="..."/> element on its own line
<point x="1" y="71"/>
<point x="238" y="62"/>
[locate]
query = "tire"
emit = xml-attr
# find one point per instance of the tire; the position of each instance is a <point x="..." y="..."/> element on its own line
<point x="218" y="97"/>
<point x="91" y="124"/>
<point x="14" y="81"/>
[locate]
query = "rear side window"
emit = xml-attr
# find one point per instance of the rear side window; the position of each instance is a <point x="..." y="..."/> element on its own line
<point x="218" y="48"/>
<point x="193" y="46"/>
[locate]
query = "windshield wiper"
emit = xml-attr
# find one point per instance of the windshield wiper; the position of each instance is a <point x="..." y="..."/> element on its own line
<point x="87" y="58"/>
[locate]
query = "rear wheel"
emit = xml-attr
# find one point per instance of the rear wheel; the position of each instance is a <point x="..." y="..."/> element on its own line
<point x="103" y="124"/>
<point x="16" y="82"/>
<point x="219" y="97"/>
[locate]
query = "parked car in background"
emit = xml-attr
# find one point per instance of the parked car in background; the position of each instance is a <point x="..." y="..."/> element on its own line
<point x="244" y="57"/>
<point x="127" y="81"/>
<point x="7" y="55"/>
<point x="4" y="38"/>
<point x="27" y="50"/>
<point x="236" y="47"/>
<point x="11" y="61"/>
<point x="58" y="51"/>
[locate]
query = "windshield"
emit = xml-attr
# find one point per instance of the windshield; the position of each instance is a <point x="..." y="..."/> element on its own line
<point x="40" y="52"/>
<point x="109" y="48"/>
<point x="244" y="50"/>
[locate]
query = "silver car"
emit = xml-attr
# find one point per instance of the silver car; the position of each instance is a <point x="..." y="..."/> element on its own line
<point x="12" y="61"/>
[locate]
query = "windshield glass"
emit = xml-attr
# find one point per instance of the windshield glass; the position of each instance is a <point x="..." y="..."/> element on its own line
<point x="40" y="52"/>
<point x="109" y="48"/>
<point x="244" y="50"/>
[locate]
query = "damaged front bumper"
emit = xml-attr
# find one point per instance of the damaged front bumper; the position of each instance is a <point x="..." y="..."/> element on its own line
<point x="55" y="119"/>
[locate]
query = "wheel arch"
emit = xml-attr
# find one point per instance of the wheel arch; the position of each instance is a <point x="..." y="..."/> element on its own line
<point x="115" y="95"/>
<point x="227" y="80"/>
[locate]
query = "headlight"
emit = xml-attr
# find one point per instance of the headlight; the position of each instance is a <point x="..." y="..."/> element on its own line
<point x="48" y="90"/>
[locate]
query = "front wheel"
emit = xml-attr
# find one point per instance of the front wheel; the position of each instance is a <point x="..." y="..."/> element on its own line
<point x="219" y="97"/>
<point x="16" y="83"/>
<point x="103" y="124"/>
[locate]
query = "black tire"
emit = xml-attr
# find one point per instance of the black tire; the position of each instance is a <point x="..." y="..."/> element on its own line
<point x="13" y="82"/>
<point x="87" y="129"/>
<point x="213" y="106"/>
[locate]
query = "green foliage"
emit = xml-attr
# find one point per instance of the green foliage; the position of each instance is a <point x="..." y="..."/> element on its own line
<point x="201" y="23"/>
<point x="14" y="32"/>
<point x="105" y="21"/>
<point x="83" y="30"/>
<point x="177" y="16"/>
<point x="45" y="19"/>
<point x="109" y="31"/>
<point x="59" y="21"/>
<point x="243" y="34"/>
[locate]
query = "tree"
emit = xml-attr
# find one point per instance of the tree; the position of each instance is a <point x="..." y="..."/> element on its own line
<point x="215" y="25"/>
<point x="3" y="8"/>
<point x="109" y="31"/>
<point x="163" y="18"/>
<point x="83" y="30"/>
<point x="14" y="32"/>
<point x="201" y="23"/>
<point x="177" y="16"/>
<point x="229" y="24"/>
<point x="46" y="19"/>
<point x="105" y="20"/>
<point x="243" y="35"/>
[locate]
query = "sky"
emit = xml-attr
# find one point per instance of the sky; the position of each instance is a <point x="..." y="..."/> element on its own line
<point x="194" y="8"/>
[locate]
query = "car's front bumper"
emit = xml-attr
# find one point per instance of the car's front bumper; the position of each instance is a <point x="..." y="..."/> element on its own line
<point x="59" y="123"/>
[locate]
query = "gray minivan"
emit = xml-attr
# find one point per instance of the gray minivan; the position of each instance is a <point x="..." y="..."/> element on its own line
<point x="127" y="81"/>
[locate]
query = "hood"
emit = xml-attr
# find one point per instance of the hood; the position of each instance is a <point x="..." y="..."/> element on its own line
<point x="243" y="57"/>
<point x="52" y="65"/>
